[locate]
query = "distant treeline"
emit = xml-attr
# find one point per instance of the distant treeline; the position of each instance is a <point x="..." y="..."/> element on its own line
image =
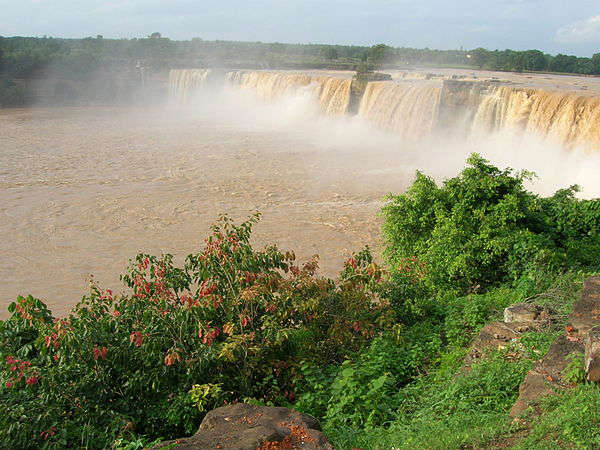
<point x="119" y="63"/>
<point x="26" y="57"/>
<point x="533" y="60"/>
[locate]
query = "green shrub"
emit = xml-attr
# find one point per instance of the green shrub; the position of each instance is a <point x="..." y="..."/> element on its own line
<point x="465" y="316"/>
<point x="482" y="228"/>
<point x="464" y="410"/>
<point x="360" y="393"/>
<point x="232" y="317"/>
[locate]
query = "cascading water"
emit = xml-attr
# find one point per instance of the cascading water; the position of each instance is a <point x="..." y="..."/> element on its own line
<point x="407" y="109"/>
<point x="184" y="82"/>
<point x="570" y="119"/>
<point x="334" y="97"/>
<point x="415" y="109"/>
<point x="333" y="94"/>
<point x="271" y="86"/>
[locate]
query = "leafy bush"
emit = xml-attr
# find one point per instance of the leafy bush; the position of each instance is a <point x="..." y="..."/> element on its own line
<point x="465" y="316"/>
<point x="464" y="410"/>
<point x="482" y="228"/>
<point x="360" y="392"/>
<point x="234" y="319"/>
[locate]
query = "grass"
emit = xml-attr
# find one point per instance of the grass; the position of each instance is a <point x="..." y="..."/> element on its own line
<point x="451" y="407"/>
<point x="570" y="419"/>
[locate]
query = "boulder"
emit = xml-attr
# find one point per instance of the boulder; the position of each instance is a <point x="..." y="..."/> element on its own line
<point x="592" y="354"/>
<point x="248" y="427"/>
<point x="522" y="312"/>
<point x="586" y="310"/>
<point x="546" y="377"/>
<point x="494" y="336"/>
<point x="582" y="335"/>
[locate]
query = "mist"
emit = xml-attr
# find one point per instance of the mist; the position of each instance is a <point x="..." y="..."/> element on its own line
<point x="87" y="187"/>
<point x="361" y="146"/>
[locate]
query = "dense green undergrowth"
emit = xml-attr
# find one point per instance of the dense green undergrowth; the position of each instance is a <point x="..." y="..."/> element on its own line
<point x="376" y="354"/>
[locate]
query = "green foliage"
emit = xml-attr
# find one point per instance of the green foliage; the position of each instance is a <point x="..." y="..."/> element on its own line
<point x="464" y="410"/>
<point x="233" y="323"/>
<point x="408" y="293"/>
<point x="464" y="316"/>
<point x="362" y="393"/>
<point x="330" y="52"/>
<point x="575" y="371"/>
<point x="570" y="419"/>
<point x="137" y="443"/>
<point x="554" y="292"/>
<point x="482" y="228"/>
<point x="378" y="55"/>
<point x="12" y="94"/>
<point x="532" y="60"/>
<point x="207" y="396"/>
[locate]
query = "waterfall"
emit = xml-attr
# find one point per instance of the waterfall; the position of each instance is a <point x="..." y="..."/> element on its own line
<point x="569" y="118"/>
<point x="415" y="109"/>
<point x="184" y="82"/>
<point x="271" y="86"/>
<point x="334" y="97"/>
<point x="407" y="109"/>
<point x="332" y="94"/>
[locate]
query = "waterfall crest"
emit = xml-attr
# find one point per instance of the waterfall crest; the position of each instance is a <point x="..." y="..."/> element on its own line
<point x="407" y="109"/>
<point x="333" y="94"/>
<point x="568" y="118"/>
<point x="184" y="82"/>
<point x="417" y="108"/>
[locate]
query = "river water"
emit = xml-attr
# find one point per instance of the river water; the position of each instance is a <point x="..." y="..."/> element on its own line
<point x="84" y="189"/>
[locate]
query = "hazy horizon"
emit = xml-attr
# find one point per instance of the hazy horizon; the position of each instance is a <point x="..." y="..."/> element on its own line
<point x="551" y="26"/>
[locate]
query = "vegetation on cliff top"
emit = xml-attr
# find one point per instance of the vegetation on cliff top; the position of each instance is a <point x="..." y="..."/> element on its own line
<point x="112" y="70"/>
<point x="374" y="354"/>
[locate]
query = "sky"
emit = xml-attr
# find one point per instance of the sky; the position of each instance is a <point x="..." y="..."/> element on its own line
<point x="554" y="26"/>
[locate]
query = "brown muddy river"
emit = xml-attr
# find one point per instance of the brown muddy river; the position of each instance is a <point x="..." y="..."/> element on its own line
<point x="84" y="189"/>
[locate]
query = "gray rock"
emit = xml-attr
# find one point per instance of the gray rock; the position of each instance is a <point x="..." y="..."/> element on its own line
<point x="248" y="427"/>
<point x="494" y="336"/>
<point x="522" y="312"/>
<point x="586" y="310"/>
<point x="592" y="354"/>
<point x="546" y="377"/>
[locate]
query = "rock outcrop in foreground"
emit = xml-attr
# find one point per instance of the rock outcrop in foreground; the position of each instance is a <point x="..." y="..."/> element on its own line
<point x="518" y="319"/>
<point x="248" y="427"/>
<point x="582" y="336"/>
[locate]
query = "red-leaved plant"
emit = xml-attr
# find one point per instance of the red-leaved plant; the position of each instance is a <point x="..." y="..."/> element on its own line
<point x="232" y="316"/>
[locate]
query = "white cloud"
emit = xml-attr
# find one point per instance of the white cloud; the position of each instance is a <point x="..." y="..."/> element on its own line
<point x="582" y="31"/>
